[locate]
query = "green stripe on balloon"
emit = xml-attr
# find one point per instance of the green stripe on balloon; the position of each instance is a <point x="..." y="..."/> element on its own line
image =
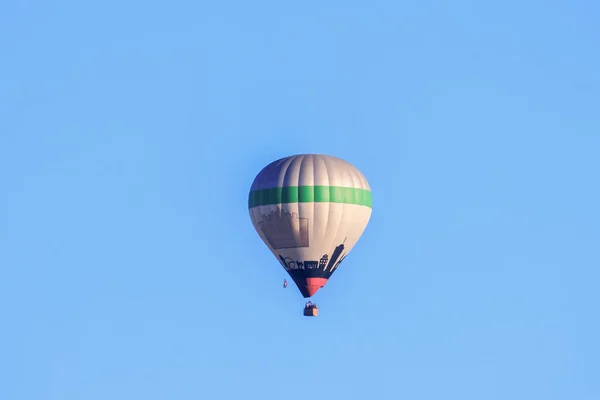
<point x="309" y="194"/>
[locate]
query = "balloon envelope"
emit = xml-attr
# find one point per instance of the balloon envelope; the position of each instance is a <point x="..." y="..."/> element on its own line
<point x="310" y="210"/>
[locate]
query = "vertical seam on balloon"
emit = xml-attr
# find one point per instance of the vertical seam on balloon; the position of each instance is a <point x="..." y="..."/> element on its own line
<point x="348" y="171"/>
<point x="285" y="171"/>
<point x="356" y="177"/>
<point x="319" y="157"/>
<point x="341" y="218"/>
<point x="328" y="207"/>
<point x="361" y="179"/>
<point x="334" y="266"/>
<point x="285" y="174"/>
<point x="296" y="234"/>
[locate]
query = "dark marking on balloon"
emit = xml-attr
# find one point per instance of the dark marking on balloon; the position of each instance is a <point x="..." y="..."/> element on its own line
<point x="323" y="261"/>
<point x="311" y="264"/>
<point x="339" y="262"/>
<point x="290" y="264"/>
<point x="283" y="261"/>
<point x="334" y="257"/>
<point x="280" y="226"/>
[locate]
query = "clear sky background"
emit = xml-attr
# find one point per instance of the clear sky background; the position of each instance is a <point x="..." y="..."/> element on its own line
<point x="130" y="133"/>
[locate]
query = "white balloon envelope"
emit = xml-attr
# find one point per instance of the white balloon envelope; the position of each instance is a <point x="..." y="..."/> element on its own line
<point x="310" y="210"/>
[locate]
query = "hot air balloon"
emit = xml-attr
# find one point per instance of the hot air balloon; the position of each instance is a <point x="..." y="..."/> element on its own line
<point x="310" y="210"/>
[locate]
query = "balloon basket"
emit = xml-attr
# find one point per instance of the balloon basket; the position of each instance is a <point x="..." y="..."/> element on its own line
<point x="311" y="312"/>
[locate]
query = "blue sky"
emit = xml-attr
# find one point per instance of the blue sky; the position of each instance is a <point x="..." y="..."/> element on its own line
<point x="130" y="133"/>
